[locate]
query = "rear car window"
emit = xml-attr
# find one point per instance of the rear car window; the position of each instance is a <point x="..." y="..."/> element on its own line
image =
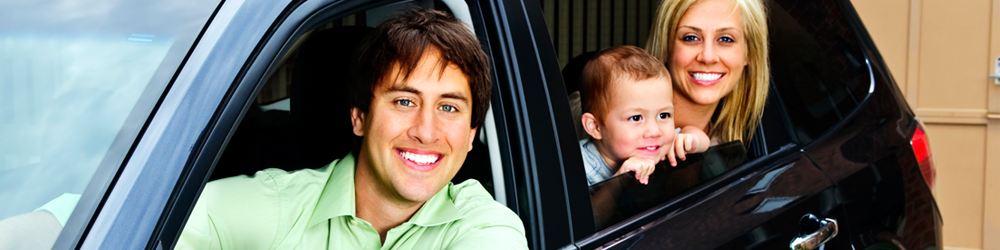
<point x="819" y="76"/>
<point x="78" y="79"/>
<point x="817" y="65"/>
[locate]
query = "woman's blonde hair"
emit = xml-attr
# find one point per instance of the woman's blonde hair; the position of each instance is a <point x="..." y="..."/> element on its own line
<point x="742" y="109"/>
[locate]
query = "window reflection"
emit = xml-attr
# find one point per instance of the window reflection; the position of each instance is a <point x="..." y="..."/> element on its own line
<point x="77" y="77"/>
<point x="623" y="196"/>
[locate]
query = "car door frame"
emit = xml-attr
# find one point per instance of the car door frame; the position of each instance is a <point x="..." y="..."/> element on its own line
<point x="533" y="116"/>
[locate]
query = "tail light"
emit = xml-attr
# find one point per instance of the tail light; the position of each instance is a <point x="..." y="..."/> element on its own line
<point x="922" y="150"/>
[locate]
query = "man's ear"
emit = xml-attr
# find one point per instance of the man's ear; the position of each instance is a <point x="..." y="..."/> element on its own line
<point x="358" y="121"/>
<point x="472" y="136"/>
<point x="590" y="125"/>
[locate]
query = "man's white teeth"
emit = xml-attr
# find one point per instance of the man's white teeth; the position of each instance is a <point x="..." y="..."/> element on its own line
<point x="420" y="159"/>
<point x="706" y="76"/>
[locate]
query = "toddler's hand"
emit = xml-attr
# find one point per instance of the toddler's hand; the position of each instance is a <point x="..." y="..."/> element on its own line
<point x="642" y="168"/>
<point x="684" y="144"/>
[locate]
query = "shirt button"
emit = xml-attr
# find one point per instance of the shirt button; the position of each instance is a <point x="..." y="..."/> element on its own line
<point x="354" y="222"/>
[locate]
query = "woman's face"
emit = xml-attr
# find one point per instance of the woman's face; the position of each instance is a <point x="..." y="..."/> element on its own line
<point x="709" y="52"/>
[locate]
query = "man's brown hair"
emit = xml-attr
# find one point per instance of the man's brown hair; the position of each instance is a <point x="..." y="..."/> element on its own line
<point x="610" y="68"/>
<point x="403" y="39"/>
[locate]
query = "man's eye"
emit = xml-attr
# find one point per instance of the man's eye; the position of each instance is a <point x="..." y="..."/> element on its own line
<point x="449" y="108"/>
<point x="635" y="118"/>
<point x="664" y="115"/>
<point x="689" y="38"/>
<point x="727" y="39"/>
<point x="404" y="102"/>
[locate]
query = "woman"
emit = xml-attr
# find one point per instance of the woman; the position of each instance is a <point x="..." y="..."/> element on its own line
<point x="716" y="51"/>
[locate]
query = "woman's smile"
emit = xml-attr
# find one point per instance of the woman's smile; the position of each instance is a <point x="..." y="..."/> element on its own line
<point x="705" y="78"/>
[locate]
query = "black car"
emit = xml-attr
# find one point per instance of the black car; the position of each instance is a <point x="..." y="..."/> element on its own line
<point x="132" y="107"/>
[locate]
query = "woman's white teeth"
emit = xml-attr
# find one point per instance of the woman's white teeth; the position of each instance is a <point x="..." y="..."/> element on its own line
<point x="706" y="76"/>
<point x="651" y="147"/>
<point x="420" y="159"/>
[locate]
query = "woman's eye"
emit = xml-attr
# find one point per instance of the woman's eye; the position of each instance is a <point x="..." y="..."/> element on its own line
<point x="727" y="39"/>
<point x="635" y="118"/>
<point x="404" y="102"/>
<point x="449" y="108"/>
<point x="689" y="38"/>
<point x="664" y="115"/>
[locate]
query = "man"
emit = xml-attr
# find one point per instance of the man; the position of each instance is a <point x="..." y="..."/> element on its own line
<point x="421" y="88"/>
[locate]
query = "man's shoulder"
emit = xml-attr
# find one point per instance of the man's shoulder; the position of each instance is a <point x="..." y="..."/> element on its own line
<point x="484" y="222"/>
<point x="268" y="179"/>
<point x="473" y="201"/>
<point x="264" y="185"/>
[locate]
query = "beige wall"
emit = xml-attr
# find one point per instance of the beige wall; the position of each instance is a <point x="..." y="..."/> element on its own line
<point x="940" y="53"/>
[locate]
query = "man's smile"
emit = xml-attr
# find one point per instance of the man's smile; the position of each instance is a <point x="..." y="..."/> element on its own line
<point x="421" y="160"/>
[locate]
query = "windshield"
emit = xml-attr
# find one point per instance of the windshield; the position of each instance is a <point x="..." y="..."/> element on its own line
<point x="71" y="76"/>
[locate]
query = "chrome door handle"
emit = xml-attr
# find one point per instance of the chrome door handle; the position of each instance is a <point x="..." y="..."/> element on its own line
<point x="814" y="232"/>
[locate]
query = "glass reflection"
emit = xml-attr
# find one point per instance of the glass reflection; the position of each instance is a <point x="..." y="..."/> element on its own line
<point x="71" y="73"/>
<point x="623" y="196"/>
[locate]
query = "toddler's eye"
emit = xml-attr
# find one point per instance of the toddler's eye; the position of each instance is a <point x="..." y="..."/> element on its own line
<point x="635" y="118"/>
<point x="404" y="102"/>
<point x="448" y="108"/>
<point x="664" y="115"/>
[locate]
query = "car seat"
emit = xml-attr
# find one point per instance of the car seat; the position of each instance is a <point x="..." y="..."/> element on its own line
<point x="574" y="69"/>
<point x="320" y="108"/>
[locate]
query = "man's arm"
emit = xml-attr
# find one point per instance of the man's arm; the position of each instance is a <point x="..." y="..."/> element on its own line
<point x="35" y="230"/>
<point x="199" y="231"/>
<point x="239" y="212"/>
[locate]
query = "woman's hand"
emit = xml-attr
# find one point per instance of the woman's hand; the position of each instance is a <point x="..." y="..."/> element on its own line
<point x="642" y="168"/>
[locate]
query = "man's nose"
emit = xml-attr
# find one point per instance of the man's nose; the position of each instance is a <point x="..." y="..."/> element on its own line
<point x="424" y="128"/>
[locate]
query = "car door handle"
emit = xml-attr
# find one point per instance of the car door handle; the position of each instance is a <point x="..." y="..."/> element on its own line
<point x="814" y="232"/>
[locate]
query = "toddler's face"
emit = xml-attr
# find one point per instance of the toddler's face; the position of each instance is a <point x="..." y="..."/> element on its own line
<point x="639" y="121"/>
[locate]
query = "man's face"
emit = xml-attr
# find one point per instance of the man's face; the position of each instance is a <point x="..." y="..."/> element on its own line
<point x="417" y="131"/>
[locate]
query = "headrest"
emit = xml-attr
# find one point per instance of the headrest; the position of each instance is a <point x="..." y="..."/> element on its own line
<point x="572" y="71"/>
<point x="320" y="110"/>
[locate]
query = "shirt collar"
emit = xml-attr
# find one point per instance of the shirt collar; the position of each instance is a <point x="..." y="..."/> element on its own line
<point x="439" y="209"/>
<point x="338" y="199"/>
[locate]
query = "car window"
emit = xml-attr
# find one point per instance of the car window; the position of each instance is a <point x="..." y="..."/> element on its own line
<point x="819" y="75"/>
<point x="71" y="77"/>
<point x="578" y="29"/>
<point x="298" y="112"/>
<point x="817" y="66"/>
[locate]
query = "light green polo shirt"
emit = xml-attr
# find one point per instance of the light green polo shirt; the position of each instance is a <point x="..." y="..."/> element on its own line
<point x="314" y="209"/>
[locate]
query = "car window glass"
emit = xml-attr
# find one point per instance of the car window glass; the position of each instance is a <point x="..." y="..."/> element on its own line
<point x="622" y="196"/>
<point x="71" y="73"/>
<point x="817" y="66"/>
